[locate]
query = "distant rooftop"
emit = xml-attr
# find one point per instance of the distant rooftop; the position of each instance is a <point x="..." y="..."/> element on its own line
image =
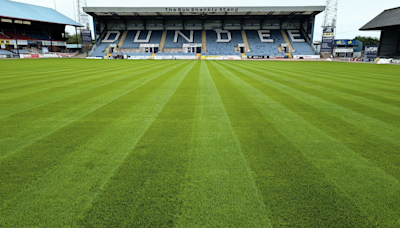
<point x="22" y="11"/>
<point x="387" y="18"/>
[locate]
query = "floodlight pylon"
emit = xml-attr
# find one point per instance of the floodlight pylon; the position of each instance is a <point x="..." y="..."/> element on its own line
<point x="83" y="18"/>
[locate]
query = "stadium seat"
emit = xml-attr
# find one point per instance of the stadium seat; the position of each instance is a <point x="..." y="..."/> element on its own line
<point x="259" y="48"/>
<point x="38" y="35"/>
<point x="215" y="48"/>
<point x="301" y="48"/>
<point x="129" y="39"/>
<point x="21" y="51"/>
<point x="4" y="37"/>
<point x="19" y="35"/>
<point x="5" y="52"/>
<point x="169" y="41"/>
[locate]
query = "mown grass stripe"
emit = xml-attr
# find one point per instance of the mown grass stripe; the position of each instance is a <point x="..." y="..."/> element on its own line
<point x="389" y="131"/>
<point x="219" y="190"/>
<point x="380" y="96"/>
<point x="34" y="74"/>
<point x="359" y="133"/>
<point x="30" y="69"/>
<point x="44" y="120"/>
<point x="335" y="72"/>
<point x="19" y="89"/>
<point x="332" y="95"/>
<point x="382" y="75"/>
<point x="144" y="191"/>
<point x="26" y="103"/>
<point x="48" y="81"/>
<point x="295" y="192"/>
<point x="61" y="196"/>
<point x="372" y="190"/>
<point x="389" y="89"/>
<point x="18" y="170"/>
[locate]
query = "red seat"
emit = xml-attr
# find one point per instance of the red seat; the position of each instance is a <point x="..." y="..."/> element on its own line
<point x="3" y="37"/>
<point x="20" y="36"/>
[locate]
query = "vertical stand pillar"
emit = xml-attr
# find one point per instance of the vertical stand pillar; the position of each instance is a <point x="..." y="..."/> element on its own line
<point x="95" y="30"/>
<point x="15" y="36"/>
<point x="51" y="41"/>
<point x="77" y="40"/>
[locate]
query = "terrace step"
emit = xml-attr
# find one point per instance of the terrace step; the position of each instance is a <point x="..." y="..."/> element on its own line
<point x="204" y="42"/>
<point x="162" y="43"/>
<point x="287" y="40"/>
<point x="122" y="39"/>
<point x="246" y="42"/>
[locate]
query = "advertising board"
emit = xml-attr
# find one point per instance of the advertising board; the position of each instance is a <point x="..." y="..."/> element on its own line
<point x="307" y="56"/>
<point x="192" y="45"/>
<point x="6" y="42"/>
<point x="20" y="42"/>
<point x="184" y="57"/>
<point x="86" y="36"/>
<point x="257" y="57"/>
<point x="327" y="43"/>
<point x="221" y="57"/>
<point x="50" y="43"/>
<point x="345" y="42"/>
<point x="139" y="57"/>
<point x="29" y="56"/>
<point x="371" y="51"/>
<point x="63" y="54"/>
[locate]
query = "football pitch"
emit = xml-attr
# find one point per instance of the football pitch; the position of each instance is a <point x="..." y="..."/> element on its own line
<point x="104" y="143"/>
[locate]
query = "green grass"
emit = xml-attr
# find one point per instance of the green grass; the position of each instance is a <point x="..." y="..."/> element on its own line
<point x="87" y="143"/>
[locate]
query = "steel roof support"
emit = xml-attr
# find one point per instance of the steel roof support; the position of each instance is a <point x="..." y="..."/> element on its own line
<point x="15" y="36"/>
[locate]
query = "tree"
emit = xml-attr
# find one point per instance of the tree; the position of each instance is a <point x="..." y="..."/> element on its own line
<point x="367" y="40"/>
<point x="72" y="38"/>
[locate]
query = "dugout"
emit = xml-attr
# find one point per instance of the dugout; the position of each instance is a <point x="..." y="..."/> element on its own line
<point x="389" y="24"/>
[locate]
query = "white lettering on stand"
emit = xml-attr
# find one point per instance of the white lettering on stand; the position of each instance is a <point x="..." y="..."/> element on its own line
<point x="293" y="34"/>
<point x="219" y="37"/>
<point x="106" y="38"/>
<point x="188" y="39"/>
<point x="142" y="41"/>
<point x="263" y="34"/>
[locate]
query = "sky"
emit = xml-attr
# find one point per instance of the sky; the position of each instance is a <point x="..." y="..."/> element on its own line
<point x="352" y="15"/>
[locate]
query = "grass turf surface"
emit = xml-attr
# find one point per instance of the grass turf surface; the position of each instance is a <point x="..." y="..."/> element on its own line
<point x="87" y="143"/>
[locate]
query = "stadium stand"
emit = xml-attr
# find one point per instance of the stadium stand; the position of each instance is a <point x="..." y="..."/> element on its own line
<point x="3" y="36"/>
<point x="213" y="46"/>
<point x="25" y="29"/>
<point x="388" y="22"/>
<point x="20" y="36"/>
<point x="170" y="43"/>
<point x="37" y="35"/>
<point x="216" y="31"/>
<point x="221" y="48"/>
<point x="259" y="48"/>
<point x="21" y="51"/>
<point x="5" y="52"/>
<point x="302" y="47"/>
